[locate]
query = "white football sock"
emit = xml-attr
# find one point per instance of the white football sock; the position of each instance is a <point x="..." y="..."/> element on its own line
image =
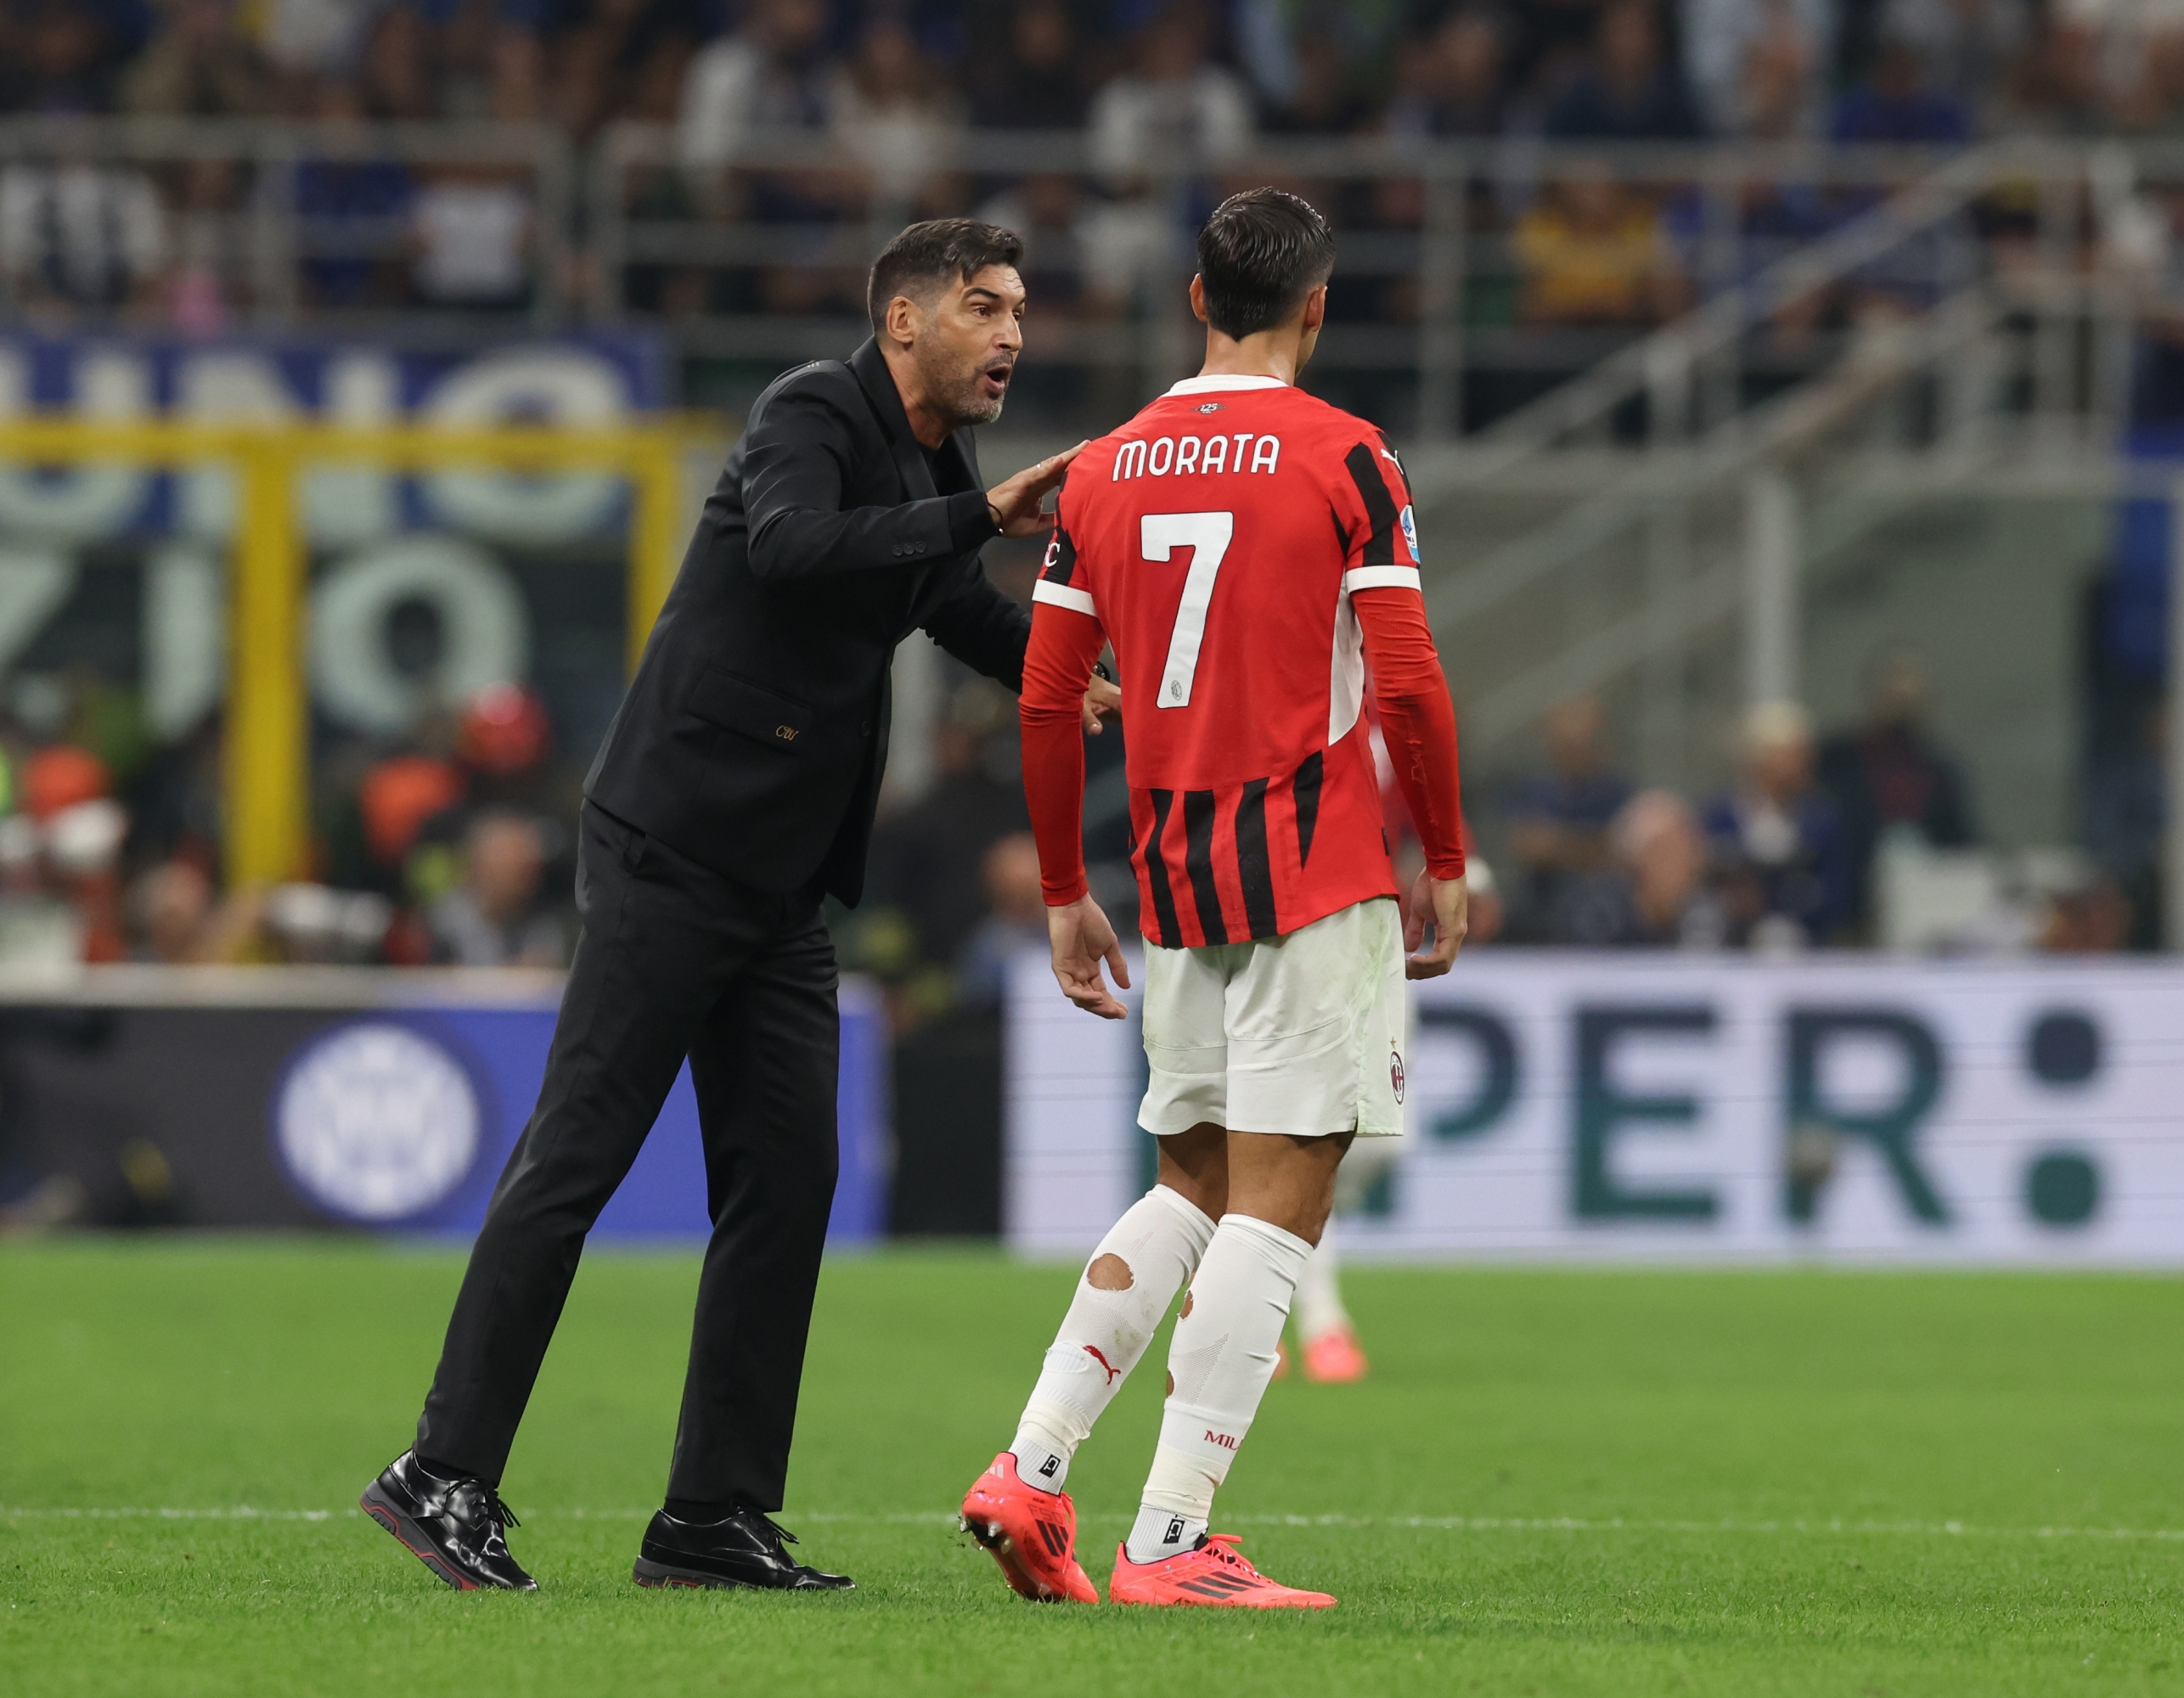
<point x="1320" y="1308"/>
<point x="1122" y="1297"/>
<point x="1219" y="1362"/>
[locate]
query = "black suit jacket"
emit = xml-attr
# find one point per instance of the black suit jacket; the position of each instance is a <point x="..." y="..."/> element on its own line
<point x="754" y="737"/>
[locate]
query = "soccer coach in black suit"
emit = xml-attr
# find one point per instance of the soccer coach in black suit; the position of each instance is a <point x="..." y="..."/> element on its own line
<point x="734" y="792"/>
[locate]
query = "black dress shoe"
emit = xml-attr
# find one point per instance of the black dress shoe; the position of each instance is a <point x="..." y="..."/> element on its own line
<point x="453" y="1526"/>
<point x="743" y="1550"/>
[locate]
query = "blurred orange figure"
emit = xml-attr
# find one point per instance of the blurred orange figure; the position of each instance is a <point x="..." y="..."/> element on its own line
<point x="60" y="776"/>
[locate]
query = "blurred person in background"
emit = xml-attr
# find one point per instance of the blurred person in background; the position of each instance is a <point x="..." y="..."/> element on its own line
<point x="2093" y="917"/>
<point x="1967" y="49"/>
<point x="1653" y="891"/>
<point x="928" y="891"/>
<point x="470" y="225"/>
<point x="1896" y="104"/>
<point x="1558" y="819"/>
<point x="1630" y="91"/>
<point x="65" y="55"/>
<point x="336" y="188"/>
<point x="60" y="854"/>
<point x="2125" y="809"/>
<point x="770" y="73"/>
<point x="212" y="257"/>
<point x="892" y="110"/>
<point x="319" y="39"/>
<point x="2111" y="63"/>
<point x="1747" y="60"/>
<point x="1172" y="103"/>
<point x="1318" y="65"/>
<point x="1028" y="68"/>
<point x="1015" y="922"/>
<point x="1778" y="840"/>
<point x="1327" y="1337"/>
<point x="397" y="74"/>
<point x="200" y="64"/>
<point x="1886" y="774"/>
<point x="394" y="799"/>
<point x="775" y="75"/>
<point x="493" y="918"/>
<point x="1453" y="86"/>
<point x="177" y="917"/>
<point x="1593" y="251"/>
<point x="1048" y="210"/>
<point x="504" y="745"/>
<point x="77" y="235"/>
<point x="1324" y="95"/>
<point x="417" y="807"/>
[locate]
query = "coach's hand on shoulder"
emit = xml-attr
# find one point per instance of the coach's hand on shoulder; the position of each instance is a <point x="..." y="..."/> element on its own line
<point x="1015" y="502"/>
<point x="1445" y="905"/>
<point x="1080" y="939"/>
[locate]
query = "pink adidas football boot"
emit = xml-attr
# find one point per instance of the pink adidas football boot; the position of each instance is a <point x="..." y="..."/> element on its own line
<point x="1215" y="1573"/>
<point x="1032" y="1534"/>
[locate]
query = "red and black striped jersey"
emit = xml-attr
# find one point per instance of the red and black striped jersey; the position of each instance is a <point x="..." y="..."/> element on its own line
<point x="1216" y="539"/>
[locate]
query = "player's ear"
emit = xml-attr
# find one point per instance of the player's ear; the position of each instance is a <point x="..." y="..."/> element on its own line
<point x="1315" y="308"/>
<point x="1198" y="297"/>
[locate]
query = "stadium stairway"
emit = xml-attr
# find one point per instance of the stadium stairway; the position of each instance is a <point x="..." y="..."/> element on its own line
<point x="1942" y="482"/>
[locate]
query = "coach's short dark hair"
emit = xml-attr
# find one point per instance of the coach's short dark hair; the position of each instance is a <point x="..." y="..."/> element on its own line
<point x="931" y="253"/>
<point x="1261" y="253"/>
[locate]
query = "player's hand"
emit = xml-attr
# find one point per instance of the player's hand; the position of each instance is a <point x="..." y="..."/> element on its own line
<point x="1014" y="502"/>
<point x="1081" y="938"/>
<point x="1445" y="905"/>
<point x="1102" y="701"/>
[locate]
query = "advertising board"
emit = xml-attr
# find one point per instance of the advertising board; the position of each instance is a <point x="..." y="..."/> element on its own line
<point x="422" y="585"/>
<point x="378" y="1101"/>
<point x="1642" y="1106"/>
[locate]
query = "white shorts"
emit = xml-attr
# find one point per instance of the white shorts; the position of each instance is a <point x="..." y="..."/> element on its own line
<point x="1300" y="1034"/>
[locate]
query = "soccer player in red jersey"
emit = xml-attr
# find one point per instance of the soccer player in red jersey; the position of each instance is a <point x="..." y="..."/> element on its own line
<point x="1248" y="550"/>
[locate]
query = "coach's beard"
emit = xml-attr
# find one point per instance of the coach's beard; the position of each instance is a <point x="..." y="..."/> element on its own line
<point x="973" y="397"/>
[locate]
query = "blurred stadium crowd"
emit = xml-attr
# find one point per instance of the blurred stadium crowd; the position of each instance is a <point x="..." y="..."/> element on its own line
<point x="893" y="88"/>
<point x="450" y="843"/>
<point x="448" y="847"/>
<point x="887" y="72"/>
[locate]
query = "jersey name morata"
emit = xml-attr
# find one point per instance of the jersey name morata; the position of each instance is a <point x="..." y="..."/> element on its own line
<point x="1217" y="538"/>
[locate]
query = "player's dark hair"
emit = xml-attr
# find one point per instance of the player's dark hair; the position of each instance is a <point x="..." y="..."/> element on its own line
<point x="929" y="254"/>
<point x="1259" y="254"/>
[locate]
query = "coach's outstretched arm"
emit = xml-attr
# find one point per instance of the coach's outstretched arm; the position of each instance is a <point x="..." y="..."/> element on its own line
<point x="792" y="482"/>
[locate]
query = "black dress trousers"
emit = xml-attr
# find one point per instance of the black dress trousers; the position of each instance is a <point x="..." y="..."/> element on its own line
<point x="675" y="959"/>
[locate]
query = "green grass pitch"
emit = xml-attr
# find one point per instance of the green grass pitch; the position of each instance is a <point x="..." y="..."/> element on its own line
<point x="1585" y="1482"/>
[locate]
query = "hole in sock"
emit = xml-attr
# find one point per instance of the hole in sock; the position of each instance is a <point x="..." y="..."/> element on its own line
<point x="1109" y="1273"/>
<point x="1171" y="1385"/>
<point x="1187" y="1301"/>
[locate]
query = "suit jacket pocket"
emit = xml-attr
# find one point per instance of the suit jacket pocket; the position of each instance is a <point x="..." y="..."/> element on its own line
<point x="734" y="704"/>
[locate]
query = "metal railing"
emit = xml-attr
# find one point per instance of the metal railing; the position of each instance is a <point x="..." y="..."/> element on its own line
<point x="1427" y="327"/>
<point x="272" y="206"/>
<point x="1436" y="329"/>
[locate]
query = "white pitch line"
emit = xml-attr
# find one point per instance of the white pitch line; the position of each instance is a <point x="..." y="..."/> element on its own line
<point x="1571" y="1524"/>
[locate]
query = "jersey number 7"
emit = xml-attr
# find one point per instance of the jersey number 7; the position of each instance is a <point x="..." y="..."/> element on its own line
<point x="1206" y="536"/>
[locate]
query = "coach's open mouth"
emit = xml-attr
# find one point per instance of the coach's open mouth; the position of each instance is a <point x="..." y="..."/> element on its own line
<point x="995" y="378"/>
